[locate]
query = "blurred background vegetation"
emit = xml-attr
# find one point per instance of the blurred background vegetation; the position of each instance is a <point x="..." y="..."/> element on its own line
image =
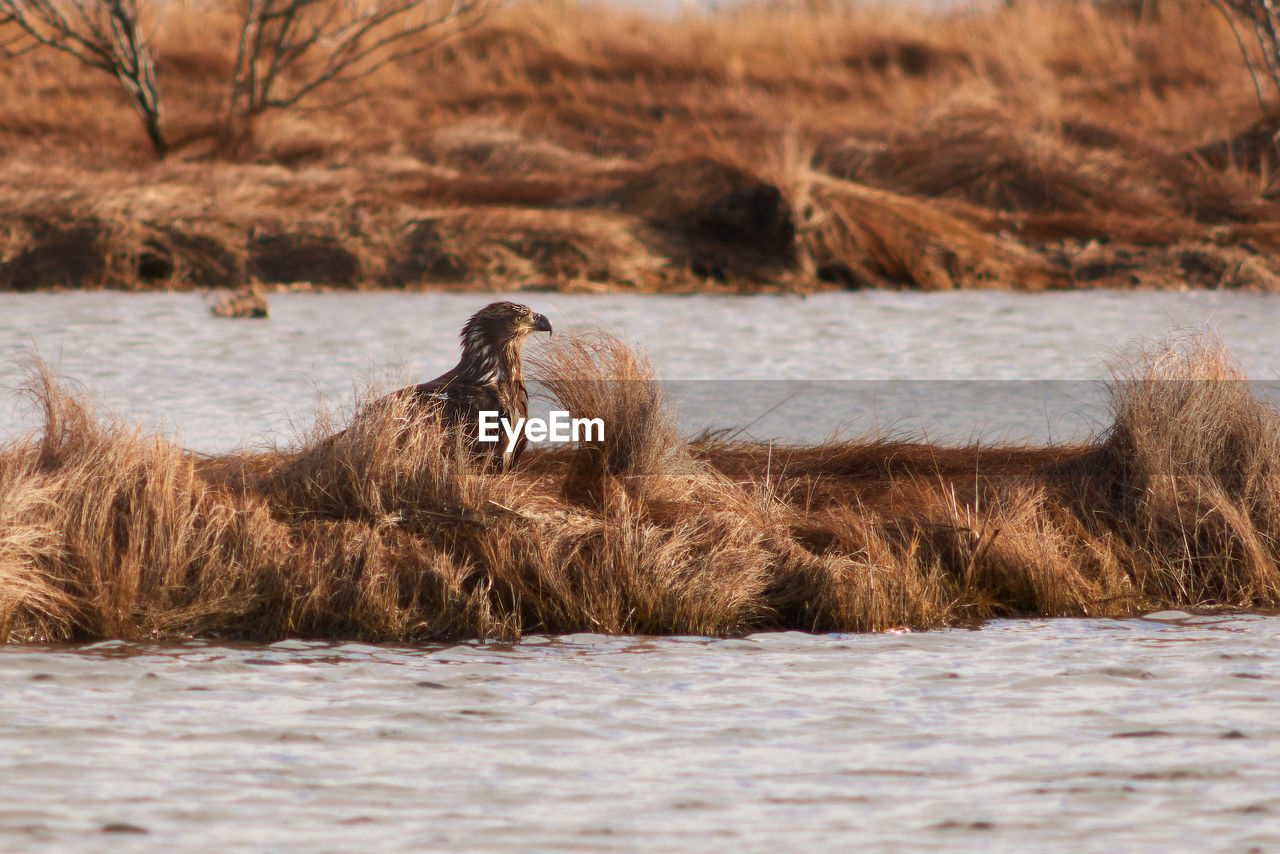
<point x="766" y="146"/>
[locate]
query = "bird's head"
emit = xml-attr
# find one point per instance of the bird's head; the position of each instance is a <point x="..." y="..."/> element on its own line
<point x="501" y="323"/>
<point x="494" y="334"/>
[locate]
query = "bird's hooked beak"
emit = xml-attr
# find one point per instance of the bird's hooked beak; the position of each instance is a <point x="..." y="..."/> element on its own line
<point x="541" y="324"/>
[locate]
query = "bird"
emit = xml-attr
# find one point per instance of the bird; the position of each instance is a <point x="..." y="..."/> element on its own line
<point x="488" y="377"/>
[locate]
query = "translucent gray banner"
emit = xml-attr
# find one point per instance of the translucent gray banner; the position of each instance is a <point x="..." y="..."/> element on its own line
<point x="946" y="411"/>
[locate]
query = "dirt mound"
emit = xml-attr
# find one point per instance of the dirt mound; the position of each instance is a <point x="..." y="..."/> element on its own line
<point x="1182" y="264"/>
<point x="292" y="256"/>
<point x="243" y="303"/>
<point x="56" y="255"/>
<point x="725" y="220"/>
<point x="557" y="249"/>
<point x="426" y="257"/>
<point x="177" y="257"/>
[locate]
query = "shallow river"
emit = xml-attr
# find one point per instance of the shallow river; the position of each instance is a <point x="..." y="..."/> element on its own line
<point x="1088" y="735"/>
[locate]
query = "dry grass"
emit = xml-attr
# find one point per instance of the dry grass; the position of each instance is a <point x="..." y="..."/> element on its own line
<point x="387" y="531"/>
<point x="582" y="147"/>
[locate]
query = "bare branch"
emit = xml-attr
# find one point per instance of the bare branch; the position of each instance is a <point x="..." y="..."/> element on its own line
<point x="102" y="34"/>
<point x="1226" y="9"/>
<point x="290" y="48"/>
<point x="1266" y="40"/>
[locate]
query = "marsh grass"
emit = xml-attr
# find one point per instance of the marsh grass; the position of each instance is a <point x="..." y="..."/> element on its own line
<point x="387" y="531"/>
<point x="584" y="147"/>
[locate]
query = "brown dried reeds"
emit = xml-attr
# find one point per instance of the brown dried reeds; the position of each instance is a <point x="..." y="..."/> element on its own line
<point x="862" y="236"/>
<point x="245" y="302"/>
<point x="1190" y="473"/>
<point x="388" y="531"/>
<point x="592" y="375"/>
<point x="593" y="148"/>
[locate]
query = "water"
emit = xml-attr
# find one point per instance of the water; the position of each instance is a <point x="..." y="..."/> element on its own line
<point x="977" y="365"/>
<point x="1084" y="735"/>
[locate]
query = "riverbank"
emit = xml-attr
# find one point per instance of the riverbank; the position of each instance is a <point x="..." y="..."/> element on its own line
<point x="589" y="149"/>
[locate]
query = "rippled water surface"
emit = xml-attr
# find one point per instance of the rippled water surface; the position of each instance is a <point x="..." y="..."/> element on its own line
<point x="955" y="366"/>
<point x="1146" y="734"/>
<point x="1086" y="735"/>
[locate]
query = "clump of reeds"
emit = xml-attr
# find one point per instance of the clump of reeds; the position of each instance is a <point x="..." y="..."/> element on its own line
<point x="242" y="303"/>
<point x="388" y="529"/>
<point x="106" y="532"/>
<point x="1189" y="476"/>
<point x="597" y="376"/>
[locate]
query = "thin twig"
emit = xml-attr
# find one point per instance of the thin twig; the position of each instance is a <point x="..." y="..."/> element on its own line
<point x="1244" y="51"/>
<point x="102" y="34"/>
<point x="278" y="35"/>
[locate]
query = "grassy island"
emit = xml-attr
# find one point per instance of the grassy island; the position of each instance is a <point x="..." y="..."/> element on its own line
<point x="386" y="533"/>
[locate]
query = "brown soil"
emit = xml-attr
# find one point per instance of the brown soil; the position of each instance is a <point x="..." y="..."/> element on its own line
<point x="789" y="146"/>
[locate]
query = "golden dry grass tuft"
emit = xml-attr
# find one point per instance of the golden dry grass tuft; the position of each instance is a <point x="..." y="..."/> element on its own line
<point x="767" y="146"/>
<point x="387" y="531"/>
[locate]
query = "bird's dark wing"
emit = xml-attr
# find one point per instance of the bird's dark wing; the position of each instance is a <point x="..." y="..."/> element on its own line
<point x="458" y="404"/>
<point x="436" y="394"/>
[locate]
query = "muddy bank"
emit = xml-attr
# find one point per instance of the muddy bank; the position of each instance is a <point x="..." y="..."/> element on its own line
<point x="692" y="225"/>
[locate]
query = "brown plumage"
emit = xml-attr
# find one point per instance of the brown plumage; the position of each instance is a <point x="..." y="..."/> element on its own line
<point x="489" y="376"/>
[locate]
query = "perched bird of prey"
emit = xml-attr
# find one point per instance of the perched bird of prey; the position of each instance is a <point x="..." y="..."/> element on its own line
<point x="488" y="377"/>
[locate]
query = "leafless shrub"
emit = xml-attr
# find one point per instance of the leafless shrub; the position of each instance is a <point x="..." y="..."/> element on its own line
<point x="1262" y="17"/>
<point x="290" y="48"/>
<point x="103" y="34"/>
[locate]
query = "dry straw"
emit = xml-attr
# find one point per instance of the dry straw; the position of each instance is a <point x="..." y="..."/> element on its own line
<point x="387" y="533"/>
<point x="586" y="147"/>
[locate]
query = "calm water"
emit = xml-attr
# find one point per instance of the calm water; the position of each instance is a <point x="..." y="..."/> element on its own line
<point x="1087" y="735"/>
<point x="960" y="366"/>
